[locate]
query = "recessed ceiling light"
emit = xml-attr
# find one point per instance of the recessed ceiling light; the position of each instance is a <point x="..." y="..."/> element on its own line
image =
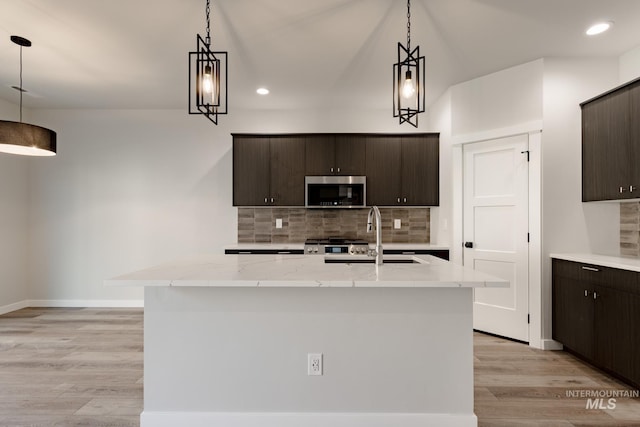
<point x="598" y="28"/>
<point x="262" y="91"/>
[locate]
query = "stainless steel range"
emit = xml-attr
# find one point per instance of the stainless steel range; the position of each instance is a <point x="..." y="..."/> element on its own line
<point x="334" y="245"/>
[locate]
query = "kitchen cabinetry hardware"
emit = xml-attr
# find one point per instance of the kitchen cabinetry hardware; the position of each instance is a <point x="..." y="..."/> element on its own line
<point x="632" y="188"/>
<point x="595" y="295"/>
<point x="398" y="199"/>
<point x="589" y="268"/>
<point x="586" y="293"/>
<point x="621" y="190"/>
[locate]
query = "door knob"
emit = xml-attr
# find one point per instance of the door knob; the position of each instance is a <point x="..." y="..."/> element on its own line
<point x="468" y="245"/>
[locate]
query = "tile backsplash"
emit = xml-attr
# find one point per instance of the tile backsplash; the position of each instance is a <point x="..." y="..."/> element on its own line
<point x="258" y="225"/>
<point x="630" y="229"/>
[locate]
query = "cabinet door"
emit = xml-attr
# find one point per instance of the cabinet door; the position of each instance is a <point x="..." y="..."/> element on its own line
<point x="606" y="155"/>
<point x="614" y="330"/>
<point x="320" y="154"/>
<point x="383" y="160"/>
<point x="251" y="170"/>
<point x="634" y="139"/>
<point x="350" y="155"/>
<point x="420" y="170"/>
<point x="287" y="170"/>
<point x="572" y="309"/>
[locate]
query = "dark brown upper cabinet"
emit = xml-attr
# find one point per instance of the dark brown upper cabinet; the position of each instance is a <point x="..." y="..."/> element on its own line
<point x="403" y="170"/>
<point x="611" y="145"/>
<point x="340" y="154"/>
<point x="268" y="171"/>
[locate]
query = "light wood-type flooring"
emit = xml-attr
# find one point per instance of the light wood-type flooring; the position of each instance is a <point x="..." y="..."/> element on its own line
<point x="83" y="367"/>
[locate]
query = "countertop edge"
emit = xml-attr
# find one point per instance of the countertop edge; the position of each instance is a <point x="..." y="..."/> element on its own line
<point x="619" y="262"/>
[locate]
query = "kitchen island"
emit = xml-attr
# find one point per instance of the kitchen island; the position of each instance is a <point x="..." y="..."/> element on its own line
<point x="227" y="339"/>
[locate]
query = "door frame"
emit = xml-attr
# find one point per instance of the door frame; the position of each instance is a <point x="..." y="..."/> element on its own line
<point x="539" y="311"/>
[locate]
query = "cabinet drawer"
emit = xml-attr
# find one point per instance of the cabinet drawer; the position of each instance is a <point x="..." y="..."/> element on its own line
<point x="622" y="280"/>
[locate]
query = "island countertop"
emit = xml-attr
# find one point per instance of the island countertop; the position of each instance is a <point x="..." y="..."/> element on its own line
<point x="305" y="271"/>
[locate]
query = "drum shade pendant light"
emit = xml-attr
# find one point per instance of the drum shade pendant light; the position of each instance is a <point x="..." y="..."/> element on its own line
<point x="23" y="138"/>
<point x="207" y="78"/>
<point x="408" y="80"/>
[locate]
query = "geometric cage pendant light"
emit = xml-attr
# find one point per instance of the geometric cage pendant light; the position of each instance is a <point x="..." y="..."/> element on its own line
<point x="207" y="78"/>
<point x="408" y="80"/>
<point x="23" y="138"/>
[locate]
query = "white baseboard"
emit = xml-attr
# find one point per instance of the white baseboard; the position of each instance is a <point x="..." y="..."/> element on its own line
<point x="13" y="307"/>
<point x="551" y="345"/>
<point x="299" y="419"/>
<point x="72" y="303"/>
<point x="97" y="303"/>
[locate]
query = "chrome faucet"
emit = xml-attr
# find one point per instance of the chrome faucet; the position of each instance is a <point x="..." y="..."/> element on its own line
<point x="377" y="252"/>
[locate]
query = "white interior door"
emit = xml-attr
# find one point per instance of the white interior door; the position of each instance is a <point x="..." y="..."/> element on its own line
<point x="496" y="232"/>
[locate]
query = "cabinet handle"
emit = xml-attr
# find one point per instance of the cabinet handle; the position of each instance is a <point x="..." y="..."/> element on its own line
<point x="621" y="190"/>
<point x="272" y="200"/>
<point x="283" y="252"/>
<point x="266" y="200"/>
<point x="408" y="252"/>
<point x="595" y="295"/>
<point x="405" y="200"/>
<point x="586" y="293"/>
<point x="332" y="172"/>
<point x="632" y="188"/>
<point x="589" y="268"/>
<point x="398" y="199"/>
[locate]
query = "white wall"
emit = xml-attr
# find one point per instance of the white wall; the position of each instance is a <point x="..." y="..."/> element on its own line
<point x="441" y="217"/>
<point x="133" y="188"/>
<point x="14" y="173"/>
<point x="499" y="100"/>
<point x="629" y="65"/>
<point x="568" y="224"/>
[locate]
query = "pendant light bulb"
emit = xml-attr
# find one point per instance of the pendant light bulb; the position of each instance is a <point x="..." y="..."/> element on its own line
<point x="207" y="80"/>
<point x="408" y="87"/>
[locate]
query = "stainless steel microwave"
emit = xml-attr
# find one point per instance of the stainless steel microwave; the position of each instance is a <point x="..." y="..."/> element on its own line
<point x="335" y="191"/>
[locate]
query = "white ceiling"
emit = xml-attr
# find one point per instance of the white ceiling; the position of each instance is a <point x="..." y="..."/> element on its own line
<point x="309" y="53"/>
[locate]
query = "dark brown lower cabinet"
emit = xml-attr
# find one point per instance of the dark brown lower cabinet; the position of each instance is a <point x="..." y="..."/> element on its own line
<point x="596" y="315"/>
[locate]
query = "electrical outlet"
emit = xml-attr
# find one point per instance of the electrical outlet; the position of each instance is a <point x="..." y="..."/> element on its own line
<point x="397" y="224"/>
<point x="314" y="364"/>
<point x="278" y="222"/>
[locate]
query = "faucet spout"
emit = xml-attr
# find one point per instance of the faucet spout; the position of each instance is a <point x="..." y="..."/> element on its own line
<point x="374" y="212"/>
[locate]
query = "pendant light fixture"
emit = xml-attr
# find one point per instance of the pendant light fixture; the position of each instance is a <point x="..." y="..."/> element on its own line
<point x="207" y="78"/>
<point x="408" y="80"/>
<point x="23" y="138"/>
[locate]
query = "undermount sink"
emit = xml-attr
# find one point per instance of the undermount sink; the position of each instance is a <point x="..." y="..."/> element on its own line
<point x="364" y="259"/>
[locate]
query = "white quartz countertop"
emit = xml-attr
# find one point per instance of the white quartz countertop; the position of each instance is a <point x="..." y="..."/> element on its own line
<point x="291" y="246"/>
<point x="305" y="271"/>
<point x="623" y="263"/>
